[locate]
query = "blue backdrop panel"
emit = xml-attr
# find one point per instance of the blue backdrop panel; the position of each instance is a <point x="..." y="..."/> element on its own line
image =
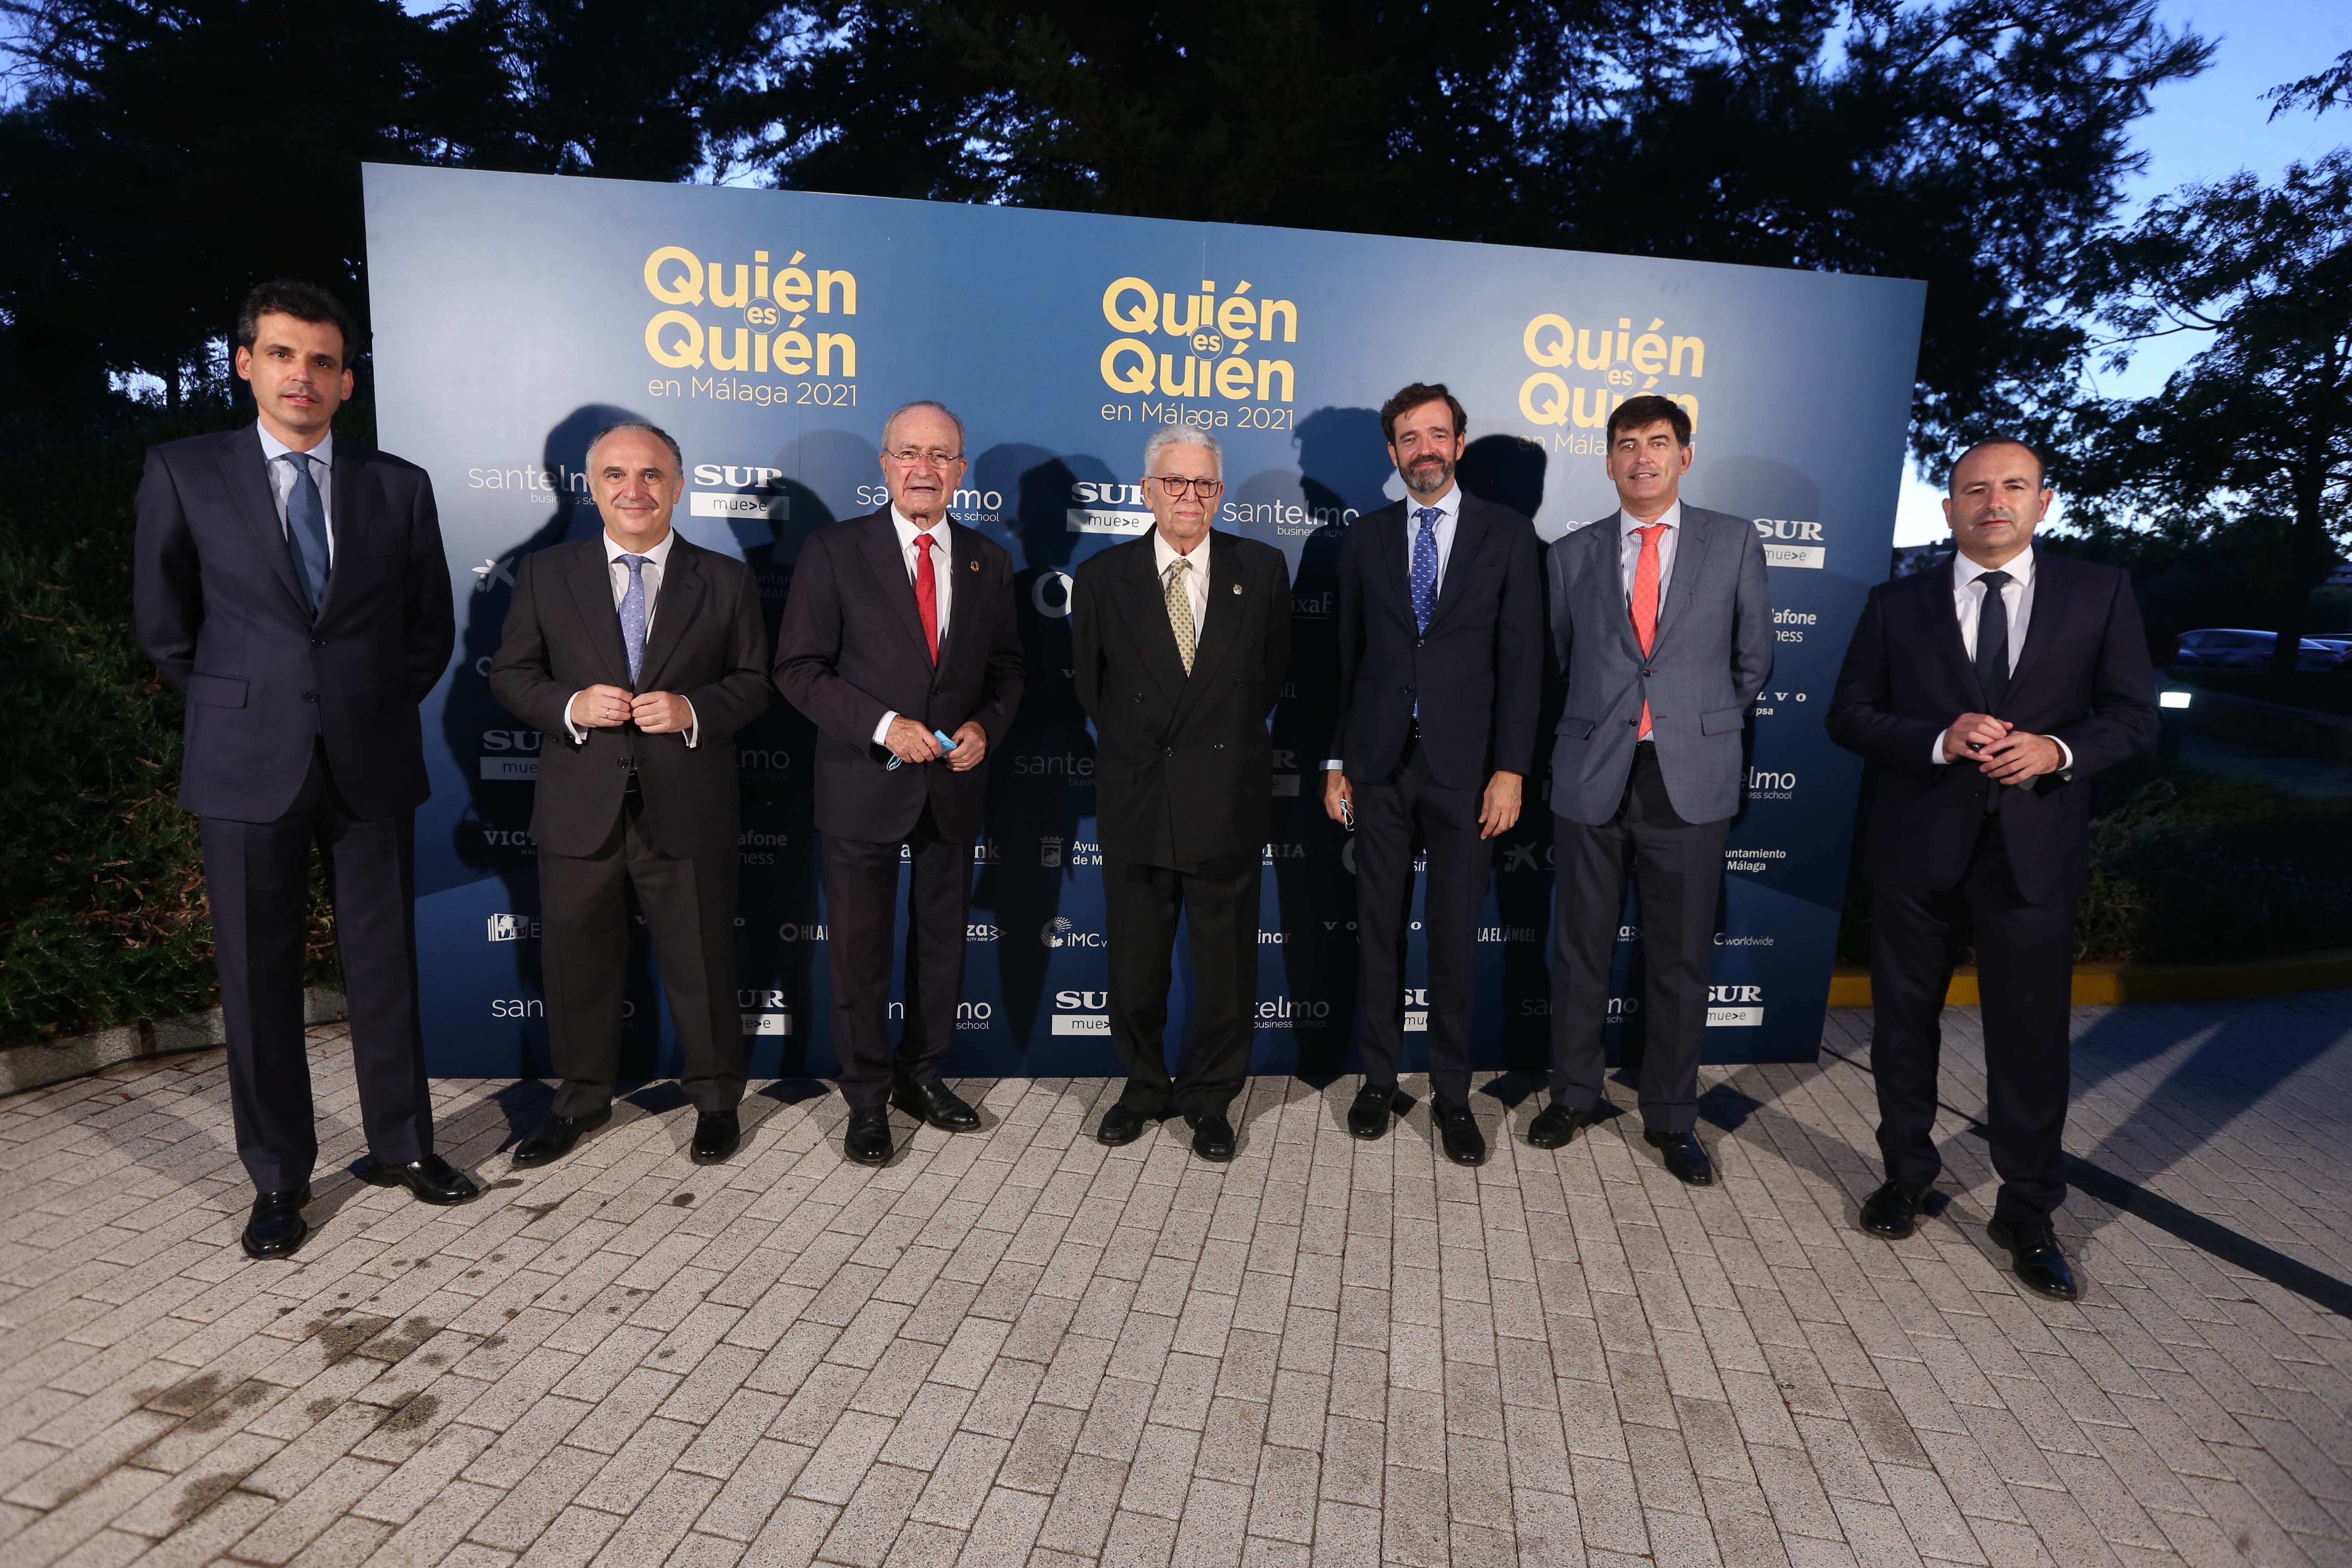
<point x="772" y="331"/>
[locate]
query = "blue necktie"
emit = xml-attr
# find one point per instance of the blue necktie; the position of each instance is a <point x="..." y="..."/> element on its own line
<point x="306" y="531"/>
<point x="633" y="614"/>
<point x="1424" y="567"/>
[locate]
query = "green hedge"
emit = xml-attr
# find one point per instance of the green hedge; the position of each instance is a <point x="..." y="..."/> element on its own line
<point x="2187" y="866"/>
<point x="102" y="917"/>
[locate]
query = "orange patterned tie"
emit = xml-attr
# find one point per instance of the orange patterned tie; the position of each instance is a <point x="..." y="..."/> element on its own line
<point x="1645" y="603"/>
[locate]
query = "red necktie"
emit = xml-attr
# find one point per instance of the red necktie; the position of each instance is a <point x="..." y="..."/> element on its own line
<point x="927" y="593"/>
<point x="1645" y="603"/>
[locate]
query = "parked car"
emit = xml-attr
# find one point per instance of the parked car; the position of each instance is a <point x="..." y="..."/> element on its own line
<point x="2237" y="648"/>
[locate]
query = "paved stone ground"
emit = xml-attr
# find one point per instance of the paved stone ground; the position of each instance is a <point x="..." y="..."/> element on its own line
<point x="1018" y="1346"/>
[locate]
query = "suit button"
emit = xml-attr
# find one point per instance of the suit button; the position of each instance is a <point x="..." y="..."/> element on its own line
<point x="620" y="761"/>
<point x="1169" y="752"/>
<point x="1217" y="746"/>
<point x="1417" y="642"/>
<point x="309" y="697"/>
<point x="318" y="642"/>
<point x="1632" y="723"/>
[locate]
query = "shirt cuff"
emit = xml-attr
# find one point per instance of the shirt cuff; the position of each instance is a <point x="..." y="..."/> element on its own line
<point x="1937" y="751"/>
<point x="1333" y="765"/>
<point x="693" y="724"/>
<point x="882" y="730"/>
<point x="579" y="736"/>
<point x="2065" y="755"/>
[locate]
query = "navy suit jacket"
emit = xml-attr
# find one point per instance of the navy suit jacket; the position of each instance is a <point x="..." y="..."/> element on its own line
<point x="217" y="607"/>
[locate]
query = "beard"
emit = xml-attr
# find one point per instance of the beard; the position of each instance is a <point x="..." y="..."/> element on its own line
<point x="1427" y="476"/>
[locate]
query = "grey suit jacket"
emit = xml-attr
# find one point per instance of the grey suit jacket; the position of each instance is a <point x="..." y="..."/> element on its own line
<point x="1712" y="655"/>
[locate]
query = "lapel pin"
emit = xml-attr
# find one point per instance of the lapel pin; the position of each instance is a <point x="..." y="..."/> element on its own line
<point x="1237" y="587"/>
<point x="971" y="565"/>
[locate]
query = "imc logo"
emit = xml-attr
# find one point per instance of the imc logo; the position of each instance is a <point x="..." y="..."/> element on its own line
<point x="1060" y="933"/>
<point x="514" y="928"/>
<point x="1081" y="1012"/>
<point x="1735" y="1006"/>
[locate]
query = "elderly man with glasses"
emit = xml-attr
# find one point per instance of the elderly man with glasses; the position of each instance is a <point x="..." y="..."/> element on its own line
<point x="1181" y="640"/>
<point x="899" y="642"/>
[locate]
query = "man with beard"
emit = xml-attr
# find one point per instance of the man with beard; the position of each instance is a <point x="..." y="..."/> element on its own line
<point x="1987" y="691"/>
<point x="1659" y="614"/>
<point x="1183" y="640"/>
<point x="1441" y="665"/>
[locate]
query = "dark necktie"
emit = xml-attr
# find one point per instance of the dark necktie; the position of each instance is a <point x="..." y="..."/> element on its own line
<point x="1992" y="641"/>
<point x="1424" y="567"/>
<point x="306" y="531"/>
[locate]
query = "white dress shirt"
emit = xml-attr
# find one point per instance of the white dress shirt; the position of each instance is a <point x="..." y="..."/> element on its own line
<point x="2017" y="596"/>
<point x="1196" y="581"/>
<point x="1449" y="509"/>
<point x="942" y="580"/>
<point x="281" y="478"/>
<point x="617" y="569"/>
<point x="1630" y="548"/>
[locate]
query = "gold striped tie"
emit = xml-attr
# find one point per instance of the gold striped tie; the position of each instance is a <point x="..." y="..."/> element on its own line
<point x="1180" y="612"/>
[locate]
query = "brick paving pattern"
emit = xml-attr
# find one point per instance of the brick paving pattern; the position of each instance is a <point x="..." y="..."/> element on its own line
<point x="1018" y="1346"/>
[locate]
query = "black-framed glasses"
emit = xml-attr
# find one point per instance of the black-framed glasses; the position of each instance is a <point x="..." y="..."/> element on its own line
<point x="1175" y="488"/>
<point x="907" y="457"/>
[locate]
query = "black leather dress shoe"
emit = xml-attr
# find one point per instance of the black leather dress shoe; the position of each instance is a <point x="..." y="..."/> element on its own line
<point x="1123" y="1124"/>
<point x="2033" y="1253"/>
<point x="1213" y="1137"/>
<point x="1685" y="1160"/>
<point x="1555" y="1124"/>
<point x="555" y="1140"/>
<point x="1458" y="1134"/>
<point x="433" y="1179"/>
<point x="938" y="1104"/>
<point x="717" y="1135"/>
<point x="1893" y="1211"/>
<point x="276" y="1226"/>
<point x="867" y="1138"/>
<point x="1369" y="1116"/>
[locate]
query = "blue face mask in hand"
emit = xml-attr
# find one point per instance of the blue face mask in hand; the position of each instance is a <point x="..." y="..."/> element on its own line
<point x="947" y="743"/>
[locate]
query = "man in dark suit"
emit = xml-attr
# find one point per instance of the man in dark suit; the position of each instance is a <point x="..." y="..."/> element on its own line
<point x="293" y="588"/>
<point x="637" y="655"/>
<point x="901" y="628"/>
<point x="1988" y="690"/>
<point x="1440" y="668"/>
<point x="1660" y="616"/>
<point x="1183" y="640"/>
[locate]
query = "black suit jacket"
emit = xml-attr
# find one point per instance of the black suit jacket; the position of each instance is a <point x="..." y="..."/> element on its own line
<point x="1184" y="767"/>
<point x="219" y="610"/>
<point x="709" y="643"/>
<point x="1478" y="671"/>
<point x="851" y="648"/>
<point x="2082" y="678"/>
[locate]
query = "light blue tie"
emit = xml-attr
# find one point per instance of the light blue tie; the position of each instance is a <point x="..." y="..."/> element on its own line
<point x="306" y="531"/>
<point x="633" y="614"/>
<point x="1424" y="567"/>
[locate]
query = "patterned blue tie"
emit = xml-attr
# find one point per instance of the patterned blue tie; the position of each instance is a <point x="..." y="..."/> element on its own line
<point x="633" y="614"/>
<point x="1424" y="567"/>
<point x="306" y="531"/>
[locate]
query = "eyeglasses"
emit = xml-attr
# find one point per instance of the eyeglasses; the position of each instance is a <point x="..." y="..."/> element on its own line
<point x="907" y="457"/>
<point x="1207" y="489"/>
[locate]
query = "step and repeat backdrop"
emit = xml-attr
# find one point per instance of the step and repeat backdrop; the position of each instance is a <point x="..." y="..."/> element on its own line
<point x="772" y="332"/>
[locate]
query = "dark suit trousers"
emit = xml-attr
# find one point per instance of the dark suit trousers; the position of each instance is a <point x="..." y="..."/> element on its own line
<point x="1390" y="818"/>
<point x="2025" y="959"/>
<point x="1678" y="870"/>
<point x="1217" y="902"/>
<point x="257" y="877"/>
<point x="861" y="905"/>
<point x="688" y="903"/>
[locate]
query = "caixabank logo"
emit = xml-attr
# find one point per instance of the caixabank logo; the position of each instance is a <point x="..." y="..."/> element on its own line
<point x="740" y="330"/>
<point x="1205" y="356"/>
<point x="1583" y="372"/>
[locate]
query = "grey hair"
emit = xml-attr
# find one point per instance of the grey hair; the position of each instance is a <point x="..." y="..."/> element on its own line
<point x="646" y="426"/>
<point x="929" y="402"/>
<point x="1169" y="435"/>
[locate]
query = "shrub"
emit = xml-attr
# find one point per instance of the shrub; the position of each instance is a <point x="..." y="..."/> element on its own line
<point x="102" y="917"/>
